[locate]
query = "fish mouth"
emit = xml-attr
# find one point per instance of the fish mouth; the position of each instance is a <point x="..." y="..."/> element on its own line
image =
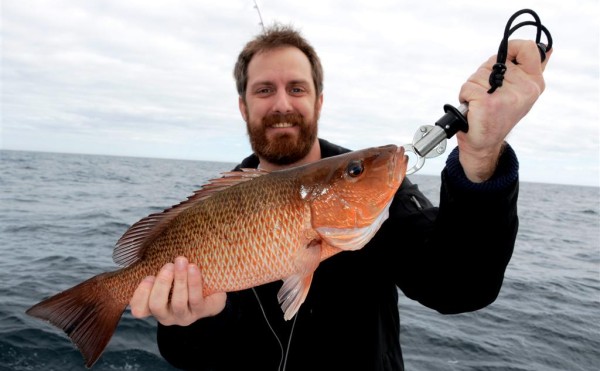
<point x="397" y="167"/>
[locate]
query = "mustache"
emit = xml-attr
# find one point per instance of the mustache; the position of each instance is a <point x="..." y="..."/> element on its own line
<point x="292" y="118"/>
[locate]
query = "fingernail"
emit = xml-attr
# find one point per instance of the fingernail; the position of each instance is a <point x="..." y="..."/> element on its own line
<point x="192" y="268"/>
<point x="180" y="263"/>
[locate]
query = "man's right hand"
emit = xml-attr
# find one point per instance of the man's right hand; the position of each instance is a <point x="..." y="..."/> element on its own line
<point x="187" y="303"/>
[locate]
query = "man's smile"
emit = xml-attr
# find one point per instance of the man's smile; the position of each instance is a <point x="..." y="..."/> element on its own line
<point x="282" y="125"/>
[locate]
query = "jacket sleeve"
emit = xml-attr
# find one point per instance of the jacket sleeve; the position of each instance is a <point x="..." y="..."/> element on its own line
<point x="453" y="258"/>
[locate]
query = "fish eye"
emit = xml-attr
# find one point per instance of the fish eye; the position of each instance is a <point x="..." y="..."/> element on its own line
<point x="355" y="168"/>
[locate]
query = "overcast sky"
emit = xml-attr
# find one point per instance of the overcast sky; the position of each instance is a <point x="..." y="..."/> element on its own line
<point x="154" y="78"/>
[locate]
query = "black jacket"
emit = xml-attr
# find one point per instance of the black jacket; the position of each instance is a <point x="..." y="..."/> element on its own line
<point x="350" y="319"/>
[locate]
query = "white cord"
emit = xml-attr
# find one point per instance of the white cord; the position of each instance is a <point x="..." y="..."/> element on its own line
<point x="283" y="357"/>
<point x="287" y="351"/>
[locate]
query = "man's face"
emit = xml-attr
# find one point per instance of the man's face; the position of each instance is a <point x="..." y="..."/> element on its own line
<point x="281" y="108"/>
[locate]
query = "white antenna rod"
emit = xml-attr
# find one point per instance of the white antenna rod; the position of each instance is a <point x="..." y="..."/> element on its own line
<point x="259" y="15"/>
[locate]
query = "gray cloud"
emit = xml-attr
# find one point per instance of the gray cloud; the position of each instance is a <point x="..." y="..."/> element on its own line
<point x="144" y="78"/>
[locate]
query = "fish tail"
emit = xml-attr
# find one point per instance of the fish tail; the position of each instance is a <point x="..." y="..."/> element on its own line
<point x="87" y="313"/>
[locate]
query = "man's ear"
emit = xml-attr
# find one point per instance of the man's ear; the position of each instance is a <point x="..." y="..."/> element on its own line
<point x="320" y="99"/>
<point x="318" y="106"/>
<point x="243" y="108"/>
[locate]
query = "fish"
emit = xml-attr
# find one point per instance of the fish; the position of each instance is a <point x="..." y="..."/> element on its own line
<point x="243" y="229"/>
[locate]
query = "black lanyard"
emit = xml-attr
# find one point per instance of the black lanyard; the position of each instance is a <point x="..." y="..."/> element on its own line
<point x="497" y="75"/>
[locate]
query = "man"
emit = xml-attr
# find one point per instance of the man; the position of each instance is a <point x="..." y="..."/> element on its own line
<point x="350" y="319"/>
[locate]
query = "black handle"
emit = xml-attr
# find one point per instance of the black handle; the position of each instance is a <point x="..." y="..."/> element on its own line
<point x="453" y="121"/>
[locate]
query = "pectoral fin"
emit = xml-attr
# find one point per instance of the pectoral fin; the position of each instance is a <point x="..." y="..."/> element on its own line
<point x="295" y="288"/>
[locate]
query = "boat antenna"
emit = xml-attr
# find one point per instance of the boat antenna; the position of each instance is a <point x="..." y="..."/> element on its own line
<point x="259" y="15"/>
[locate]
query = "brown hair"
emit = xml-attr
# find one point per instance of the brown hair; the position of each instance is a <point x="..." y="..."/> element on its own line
<point x="273" y="37"/>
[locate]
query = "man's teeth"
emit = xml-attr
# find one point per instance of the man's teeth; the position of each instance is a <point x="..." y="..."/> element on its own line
<point x="283" y="125"/>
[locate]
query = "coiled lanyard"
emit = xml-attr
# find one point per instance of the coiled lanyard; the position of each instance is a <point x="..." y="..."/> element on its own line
<point x="430" y="140"/>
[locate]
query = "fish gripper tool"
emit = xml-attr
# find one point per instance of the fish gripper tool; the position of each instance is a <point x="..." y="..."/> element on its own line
<point x="430" y="140"/>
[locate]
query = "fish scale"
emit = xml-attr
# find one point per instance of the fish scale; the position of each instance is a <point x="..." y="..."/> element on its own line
<point x="244" y="229"/>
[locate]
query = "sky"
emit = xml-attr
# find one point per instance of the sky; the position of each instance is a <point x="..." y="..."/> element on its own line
<point x="150" y="78"/>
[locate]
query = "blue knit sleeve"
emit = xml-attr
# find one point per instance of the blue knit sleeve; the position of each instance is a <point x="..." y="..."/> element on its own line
<point x="505" y="176"/>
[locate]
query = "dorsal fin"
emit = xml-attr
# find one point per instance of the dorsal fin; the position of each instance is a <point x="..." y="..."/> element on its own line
<point x="131" y="246"/>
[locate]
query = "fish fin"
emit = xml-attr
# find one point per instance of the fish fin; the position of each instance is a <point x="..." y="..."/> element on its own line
<point x="295" y="288"/>
<point x="131" y="246"/>
<point x="349" y="239"/>
<point x="87" y="313"/>
<point x="328" y="251"/>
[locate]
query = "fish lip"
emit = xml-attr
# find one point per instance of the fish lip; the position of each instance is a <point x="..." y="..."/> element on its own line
<point x="396" y="168"/>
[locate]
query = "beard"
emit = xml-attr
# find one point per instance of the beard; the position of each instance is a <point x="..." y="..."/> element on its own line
<point x="285" y="148"/>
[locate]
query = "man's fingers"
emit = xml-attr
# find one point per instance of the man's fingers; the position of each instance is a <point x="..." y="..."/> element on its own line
<point x="179" y="299"/>
<point x="195" y="297"/>
<point x="215" y="303"/>
<point x="175" y="295"/>
<point x="527" y="73"/>
<point x="527" y="56"/>
<point x="199" y="305"/>
<point x="159" y="297"/>
<point x="548" y="54"/>
<point x="139" y="300"/>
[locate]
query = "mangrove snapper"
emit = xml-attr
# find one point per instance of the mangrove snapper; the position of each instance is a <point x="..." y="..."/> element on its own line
<point x="245" y="229"/>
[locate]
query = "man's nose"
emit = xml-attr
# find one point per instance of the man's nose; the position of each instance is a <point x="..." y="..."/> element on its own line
<point x="282" y="102"/>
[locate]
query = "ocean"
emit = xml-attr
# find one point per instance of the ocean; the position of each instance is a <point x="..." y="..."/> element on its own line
<point x="61" y="215"/>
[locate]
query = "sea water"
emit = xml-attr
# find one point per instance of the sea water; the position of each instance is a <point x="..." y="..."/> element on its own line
<point x="61" y="215"/>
